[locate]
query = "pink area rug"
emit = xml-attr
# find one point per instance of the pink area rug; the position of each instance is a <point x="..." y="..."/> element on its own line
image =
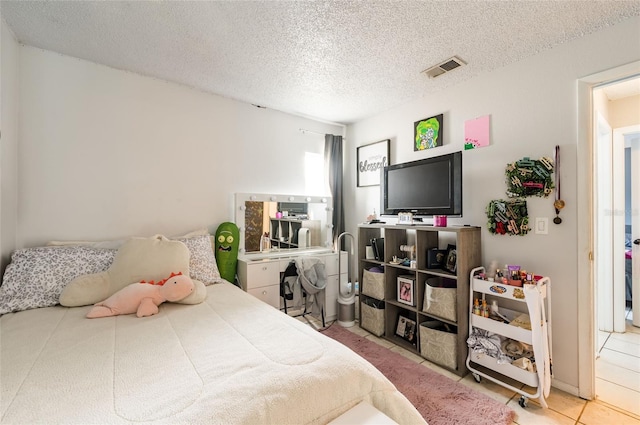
<point x="439" y="399"/>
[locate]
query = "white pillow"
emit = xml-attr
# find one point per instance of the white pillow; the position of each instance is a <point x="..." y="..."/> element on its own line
<point x="117" y="243"/>
<point x="36" y="276"/>
<point x="111" y="244"/>
<point x="199" y="232"/>
<point x="202" y="261"/>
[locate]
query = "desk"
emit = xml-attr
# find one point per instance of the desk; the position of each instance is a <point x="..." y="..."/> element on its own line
<point x="259" y="275"/>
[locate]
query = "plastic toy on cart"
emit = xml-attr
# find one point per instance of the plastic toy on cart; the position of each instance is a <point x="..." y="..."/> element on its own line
<point x="539" y="337"/>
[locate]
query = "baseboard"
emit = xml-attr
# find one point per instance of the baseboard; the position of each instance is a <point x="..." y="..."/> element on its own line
<point x="562" y="386"/>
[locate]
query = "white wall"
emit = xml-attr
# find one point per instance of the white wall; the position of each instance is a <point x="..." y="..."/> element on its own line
<point x="533" y="107"/>
<point x="8" y="142"/>
<point x="625" y="112"/>
<point x="109" y="154"/>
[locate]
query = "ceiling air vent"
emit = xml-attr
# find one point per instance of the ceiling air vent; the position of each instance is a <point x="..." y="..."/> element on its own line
<point x="444" y="67"/>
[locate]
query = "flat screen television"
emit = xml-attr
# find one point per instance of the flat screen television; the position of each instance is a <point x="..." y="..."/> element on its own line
<point x="427" y="187"/>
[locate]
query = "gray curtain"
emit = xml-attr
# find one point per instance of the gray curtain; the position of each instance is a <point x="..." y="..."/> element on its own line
<point x="333" y="163"/>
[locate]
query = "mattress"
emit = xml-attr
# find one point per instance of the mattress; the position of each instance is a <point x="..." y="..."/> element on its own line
<point x="230" y="360"/>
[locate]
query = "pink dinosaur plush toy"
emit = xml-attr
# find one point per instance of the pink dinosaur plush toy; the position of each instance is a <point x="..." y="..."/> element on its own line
<point x="143" y="298"/>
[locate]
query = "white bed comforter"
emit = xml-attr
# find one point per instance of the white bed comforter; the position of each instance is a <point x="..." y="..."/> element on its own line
<point x="229" y="360"/>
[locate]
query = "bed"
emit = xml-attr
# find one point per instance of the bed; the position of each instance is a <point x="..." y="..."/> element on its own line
<point x="231" y="359"/>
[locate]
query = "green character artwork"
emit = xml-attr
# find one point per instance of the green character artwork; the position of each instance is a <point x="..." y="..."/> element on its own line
<point x="428" y="133"/>
<point x="227" y="240"/>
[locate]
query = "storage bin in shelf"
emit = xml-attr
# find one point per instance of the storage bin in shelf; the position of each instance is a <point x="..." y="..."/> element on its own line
<point x="440" y="273"/>
<point x="440" y="298"/>
<point x="373" y="284"/>
<point x="372" y="317"/>
<point x="506" y="369"/>
<point x="438" y="345"/>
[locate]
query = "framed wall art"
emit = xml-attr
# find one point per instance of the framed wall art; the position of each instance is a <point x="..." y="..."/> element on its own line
<point x="371" y="160"/>
<point x="476" y="133"/>
<point x="428" y="133"/>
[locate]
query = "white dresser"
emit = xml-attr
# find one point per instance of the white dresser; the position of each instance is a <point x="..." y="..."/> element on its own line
<point x="259" y="275"/>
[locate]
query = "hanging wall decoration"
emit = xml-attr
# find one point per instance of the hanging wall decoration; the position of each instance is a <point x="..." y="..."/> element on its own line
<point x="371" y="161"/>
<point x="558" y="204"/>
<point x="508" y="217"/>
<point x="428" y="133"/>
<point x="529" y="177"/>
<point x="476" y="133"/>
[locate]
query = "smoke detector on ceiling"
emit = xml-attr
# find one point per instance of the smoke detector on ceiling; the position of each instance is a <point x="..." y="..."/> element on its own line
<point x="444" y="67"/>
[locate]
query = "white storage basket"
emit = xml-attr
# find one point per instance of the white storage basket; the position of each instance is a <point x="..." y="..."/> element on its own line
<point x="373" y="284"/>
<point x="372" y="319"/>
<point x="437" y="345"/>
<point x="440" y="301"/>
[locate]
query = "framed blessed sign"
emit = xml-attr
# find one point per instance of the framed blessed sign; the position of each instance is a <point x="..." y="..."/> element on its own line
<point x="371" y="160"/>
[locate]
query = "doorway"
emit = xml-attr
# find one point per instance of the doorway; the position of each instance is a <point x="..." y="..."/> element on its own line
<point x="615" y="221"/>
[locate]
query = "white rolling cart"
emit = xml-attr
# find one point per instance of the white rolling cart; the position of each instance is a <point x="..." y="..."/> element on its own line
<point x="513" y="301"/>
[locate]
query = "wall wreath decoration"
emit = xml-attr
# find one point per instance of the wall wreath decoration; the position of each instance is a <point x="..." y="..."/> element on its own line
<point x="529" y="177"/>
<point x="508" y="217"/>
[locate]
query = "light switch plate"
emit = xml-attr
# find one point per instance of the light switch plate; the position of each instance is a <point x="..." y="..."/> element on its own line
<point x="542" y="226"/>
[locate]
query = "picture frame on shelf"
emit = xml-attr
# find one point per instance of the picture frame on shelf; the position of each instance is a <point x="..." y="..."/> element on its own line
<point x="406" y="290"/>
<point x="435" y="258"/>
<point x="371" y="159"/>
<point x="451" y="259"/>
<point x="406" y="329"/>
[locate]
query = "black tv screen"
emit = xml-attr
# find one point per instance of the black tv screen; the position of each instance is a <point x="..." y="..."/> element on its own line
<point x="427" y="187"/>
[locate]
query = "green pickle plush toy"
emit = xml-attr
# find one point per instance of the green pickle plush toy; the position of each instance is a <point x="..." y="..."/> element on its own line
<point x="227" y="240"/>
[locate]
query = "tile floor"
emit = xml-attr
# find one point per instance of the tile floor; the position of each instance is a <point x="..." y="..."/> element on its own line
<point x="618" y="368"/>
<point x="563" y="408"/>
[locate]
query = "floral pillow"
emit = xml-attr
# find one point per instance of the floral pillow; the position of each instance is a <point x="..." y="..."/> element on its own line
<point x="202" y="264"/>
<point x="202" y="260"/>
<point x="36" y="276"/>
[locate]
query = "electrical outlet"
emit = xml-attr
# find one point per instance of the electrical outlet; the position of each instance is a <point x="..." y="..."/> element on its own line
<point x="542" y="226"/>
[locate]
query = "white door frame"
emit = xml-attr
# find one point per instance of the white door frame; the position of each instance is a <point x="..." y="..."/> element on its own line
<point x="618" y="229"/>
<point x="635" y="226"/>
<point x="603" y="180"/>
<point x="609" y="226"/>
<point x="584" y="200"/>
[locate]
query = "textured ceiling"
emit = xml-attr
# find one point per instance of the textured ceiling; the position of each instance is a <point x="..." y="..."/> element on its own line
<point x="338" y="61"/>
